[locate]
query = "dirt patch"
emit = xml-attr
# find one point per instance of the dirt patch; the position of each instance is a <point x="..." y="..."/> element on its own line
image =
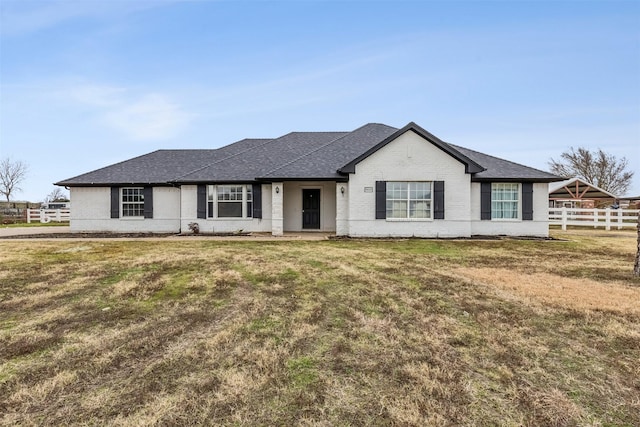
<point x="566" y="292"/>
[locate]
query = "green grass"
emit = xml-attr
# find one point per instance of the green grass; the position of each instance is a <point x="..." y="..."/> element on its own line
<point x="346" y="332"/>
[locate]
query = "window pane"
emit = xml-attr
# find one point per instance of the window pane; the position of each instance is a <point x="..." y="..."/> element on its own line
<point x="504" y="200"/>
<point x="398" y="209"/>
<point x="132" y="200"/>
<point x="229" y="210"/>
<point x="231" y="199"/>
<point x="408" y="199"/>
<point x="420" y="209"/>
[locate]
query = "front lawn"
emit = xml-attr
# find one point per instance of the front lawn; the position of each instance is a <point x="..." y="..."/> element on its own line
<point x="344" y="332"/>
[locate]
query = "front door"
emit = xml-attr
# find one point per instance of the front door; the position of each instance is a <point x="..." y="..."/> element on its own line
<point x="311" y="208"/>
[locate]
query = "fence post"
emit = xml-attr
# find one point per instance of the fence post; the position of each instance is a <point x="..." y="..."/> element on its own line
<point x="28" y="216"/>
<point x="564" y="218"/>
<point x="607" y="219"/>
<point x="619" y="213"/>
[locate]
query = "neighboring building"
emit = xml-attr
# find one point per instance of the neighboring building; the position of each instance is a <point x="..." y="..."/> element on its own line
<point x="374" y="181"/>
<point x="578" y="193"/>
<point x="57" y="204"/>
<point x="629" y="202"/>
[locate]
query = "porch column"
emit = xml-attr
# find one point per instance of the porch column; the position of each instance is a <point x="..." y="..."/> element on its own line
<point x="342" y="208"/>
<point x="277" y="208"/>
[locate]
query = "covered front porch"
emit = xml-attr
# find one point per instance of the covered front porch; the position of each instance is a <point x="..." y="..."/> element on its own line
<point x="307" y="206"/>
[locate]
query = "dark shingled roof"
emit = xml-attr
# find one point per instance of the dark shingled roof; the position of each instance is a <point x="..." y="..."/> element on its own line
<point x="261" y="159"/>
<point x="159" y="167"/>
<point x="324" y="161"/>
<point x="294" y="156"/>
<point x="497" y="169"/>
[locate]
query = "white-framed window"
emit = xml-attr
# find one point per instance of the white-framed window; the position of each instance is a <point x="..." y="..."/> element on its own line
<point x="229" y="201"/>
<point x="409" y="200"/>
<point x="505" y="200"/>
<point x="132" y="201"/>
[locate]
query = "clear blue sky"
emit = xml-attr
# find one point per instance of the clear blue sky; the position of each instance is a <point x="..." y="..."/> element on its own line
<point x="89" y="83"/>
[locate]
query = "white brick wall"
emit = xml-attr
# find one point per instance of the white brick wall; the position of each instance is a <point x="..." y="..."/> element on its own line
<point x="539" y="226"/>
<point x="409" y="158"/>
<point x="92" y="212"/>
<point x="277" y="209"/>
<point x="189" y="206"/>
<point x="342" y="208"/>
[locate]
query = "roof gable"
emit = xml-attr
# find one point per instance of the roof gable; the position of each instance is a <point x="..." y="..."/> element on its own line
<point x="577" y="188"/>
<point x="470" y="166"/>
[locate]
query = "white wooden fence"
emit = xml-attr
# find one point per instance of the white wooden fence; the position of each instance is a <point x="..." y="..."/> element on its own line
<point x="607" y="218"/>
<point x="48" y="215"/>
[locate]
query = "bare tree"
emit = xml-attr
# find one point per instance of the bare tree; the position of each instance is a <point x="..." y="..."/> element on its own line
<point x="57" y="195"/>
<point x="11" y="176"/>
<point x="599" y="168"/>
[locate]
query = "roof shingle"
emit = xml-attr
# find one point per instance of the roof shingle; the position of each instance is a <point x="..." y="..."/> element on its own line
<point x="294" y="156"/>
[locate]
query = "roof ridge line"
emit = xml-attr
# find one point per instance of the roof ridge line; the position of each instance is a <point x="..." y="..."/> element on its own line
<point x="267" y="141"/>
<point x="310" y="152"/>
<point x="322" y="146"/>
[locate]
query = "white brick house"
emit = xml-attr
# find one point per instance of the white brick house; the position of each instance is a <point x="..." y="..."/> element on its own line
<point x="373" y="181"/>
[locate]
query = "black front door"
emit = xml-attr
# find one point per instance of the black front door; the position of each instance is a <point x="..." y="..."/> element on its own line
<point x="311" y="208"/>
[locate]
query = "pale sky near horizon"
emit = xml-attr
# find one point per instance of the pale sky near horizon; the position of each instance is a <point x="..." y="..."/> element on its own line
<point x="84" y="84"/>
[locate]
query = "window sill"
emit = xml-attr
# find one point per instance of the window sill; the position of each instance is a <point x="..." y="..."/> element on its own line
<point x="229" y="219"/>
<point x="132" y="218"/>
<point x="409" y="219"/>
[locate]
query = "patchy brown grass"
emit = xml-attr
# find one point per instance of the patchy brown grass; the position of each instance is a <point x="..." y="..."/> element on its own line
<point x="566" y="292"/>
<point x="401" y="332"/>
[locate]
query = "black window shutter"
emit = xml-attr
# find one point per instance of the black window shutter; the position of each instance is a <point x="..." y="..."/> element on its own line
<point x="485" y="200"/>
<point x="202" y="201"/>
<point x="115" y="202"/>
<point x="527" y="201"/>
<point x="381" y="199"/>
<point x="438" y="199"/>
<point x="257" y="200"/>
<point x="148" y="202"/>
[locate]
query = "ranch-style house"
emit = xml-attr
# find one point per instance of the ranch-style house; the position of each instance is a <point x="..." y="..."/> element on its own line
<point x="374" y="181"/>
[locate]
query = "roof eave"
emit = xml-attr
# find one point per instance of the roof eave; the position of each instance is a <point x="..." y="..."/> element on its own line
<point x="511" y="179"/>
<point x="111" y="184"/>
<point x="310" y="178"/>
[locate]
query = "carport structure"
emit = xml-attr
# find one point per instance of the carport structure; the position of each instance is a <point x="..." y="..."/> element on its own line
<point x="578" y="193"/>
